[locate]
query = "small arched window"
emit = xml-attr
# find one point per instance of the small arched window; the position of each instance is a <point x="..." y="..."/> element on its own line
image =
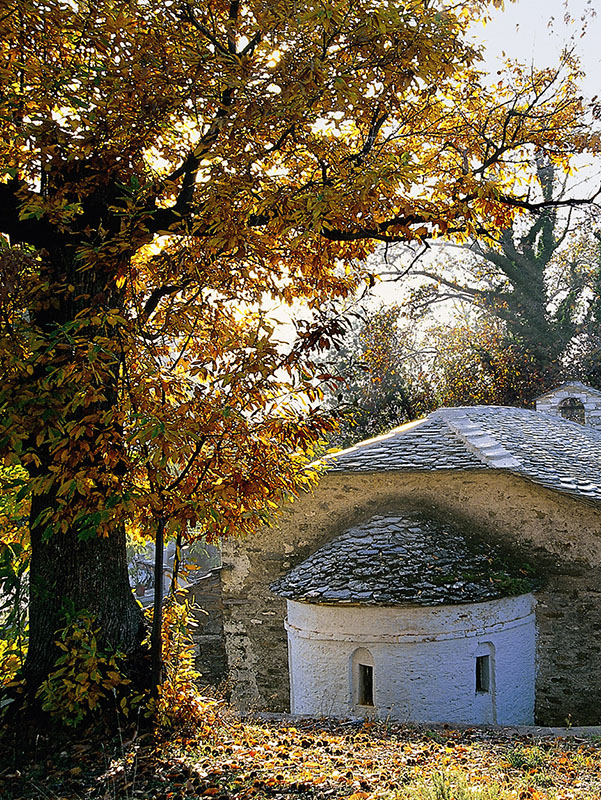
<point x="485" y="665"/>
<point x="572" y="408"/>
<point x="362" y="678"/>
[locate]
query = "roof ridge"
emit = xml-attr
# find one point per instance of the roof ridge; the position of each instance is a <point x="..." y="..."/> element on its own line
<point x="541" y="447"/>
<point x="381" y="437"/>
<point x="478" y="440"/>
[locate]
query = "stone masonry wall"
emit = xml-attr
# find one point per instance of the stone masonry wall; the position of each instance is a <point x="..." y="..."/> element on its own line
<point x="209" y="644"/>
<point x="591" y="401"/>
<point x="558" y="534"/>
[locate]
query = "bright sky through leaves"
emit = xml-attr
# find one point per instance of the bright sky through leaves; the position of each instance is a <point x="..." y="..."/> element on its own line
<point x="537" y="31"/>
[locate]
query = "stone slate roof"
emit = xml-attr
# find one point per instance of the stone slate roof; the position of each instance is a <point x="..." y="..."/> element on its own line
<point x="394" y="560"/>
<point x="542" y="447"/>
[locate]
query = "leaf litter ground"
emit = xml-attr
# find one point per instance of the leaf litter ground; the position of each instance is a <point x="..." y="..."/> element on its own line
<point x="228" y="759"/>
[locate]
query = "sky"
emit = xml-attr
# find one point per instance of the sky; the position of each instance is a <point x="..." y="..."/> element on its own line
<point x="535" y="31"/>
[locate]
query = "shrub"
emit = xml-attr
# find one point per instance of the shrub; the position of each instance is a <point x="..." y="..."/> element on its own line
<point x="179" y="701"/>
<point x="86" y="677"/>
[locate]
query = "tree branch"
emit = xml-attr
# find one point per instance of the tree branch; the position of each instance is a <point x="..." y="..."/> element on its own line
<point x="189" y="17"/>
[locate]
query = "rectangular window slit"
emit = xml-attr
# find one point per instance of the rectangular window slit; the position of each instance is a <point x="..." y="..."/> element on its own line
<point x="366" y="685"/>
<point x="483" y="673"/>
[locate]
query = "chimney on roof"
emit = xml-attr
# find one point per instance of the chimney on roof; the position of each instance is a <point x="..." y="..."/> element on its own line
<point x="573" y="401"/>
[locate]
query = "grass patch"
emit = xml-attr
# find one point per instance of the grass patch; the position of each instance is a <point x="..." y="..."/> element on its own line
<point x="453" y="785"/>
<point x="528" y="757"/>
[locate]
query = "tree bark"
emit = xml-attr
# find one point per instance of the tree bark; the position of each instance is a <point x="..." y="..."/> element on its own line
<point x="72" y="571"/>
<point x="67" y="576"/>
<point x="156" y="642"/>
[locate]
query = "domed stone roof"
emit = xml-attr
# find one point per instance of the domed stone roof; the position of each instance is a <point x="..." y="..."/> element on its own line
<point x="396" y="560"/>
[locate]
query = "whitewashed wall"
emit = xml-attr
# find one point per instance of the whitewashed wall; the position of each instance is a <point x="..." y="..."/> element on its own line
<point x="423" y="657"/>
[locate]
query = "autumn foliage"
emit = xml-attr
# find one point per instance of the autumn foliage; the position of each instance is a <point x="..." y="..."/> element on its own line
<point x="256" y="760"/>
<point x="478" y="364"/>
<point x="393" y="371"/>
<point x="170" y="172"/>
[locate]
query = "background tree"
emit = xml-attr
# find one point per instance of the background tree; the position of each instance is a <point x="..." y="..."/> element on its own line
<point x="475" y="363"/>
<point x="169" y="168"/>
<point x="391" y="372"/>
<point x="539" y="278"/>
<point x="380" y="382"/>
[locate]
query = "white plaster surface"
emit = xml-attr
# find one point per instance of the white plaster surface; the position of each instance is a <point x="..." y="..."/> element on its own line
<point x="423" y="660"/>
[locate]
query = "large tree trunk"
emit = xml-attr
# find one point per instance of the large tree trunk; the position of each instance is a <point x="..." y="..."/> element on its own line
<point x="79" y="568"/>
<point x="68" y="575"/>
